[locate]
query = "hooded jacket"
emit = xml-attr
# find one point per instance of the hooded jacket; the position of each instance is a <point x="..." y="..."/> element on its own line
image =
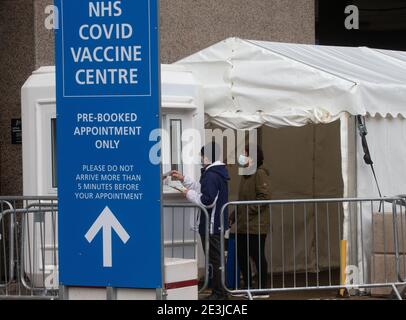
<point x="211" y="193"/>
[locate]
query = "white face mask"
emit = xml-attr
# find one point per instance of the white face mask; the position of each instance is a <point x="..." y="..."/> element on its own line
<point x="243" y="160"/>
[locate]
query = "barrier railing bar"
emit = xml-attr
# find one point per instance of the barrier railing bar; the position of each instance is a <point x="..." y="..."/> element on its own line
<point x="328" y="244"/>
<point x="283" y="247"/>
<point x="259" y="247"/>
<point x="237" y="276"/>
<point x="294" y="246"/>
<point x="362" y="238"/>
<point x="317" y="244"/>
<point x="271" y="243"/>
<point x="384" y="241"/>
<point x="305" y="241"/>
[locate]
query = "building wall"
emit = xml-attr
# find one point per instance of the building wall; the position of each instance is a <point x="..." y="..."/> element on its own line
<point x="44" y="38"/>
<point x="187" y="26"/>
<point x="16" y="65"/>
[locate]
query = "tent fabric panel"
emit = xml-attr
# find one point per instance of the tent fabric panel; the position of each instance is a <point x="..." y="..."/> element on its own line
<point x="252" y="83"/>
<point x="386" y="139"/>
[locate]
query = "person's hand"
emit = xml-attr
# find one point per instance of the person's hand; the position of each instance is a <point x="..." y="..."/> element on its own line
<point x="176" y="175"/>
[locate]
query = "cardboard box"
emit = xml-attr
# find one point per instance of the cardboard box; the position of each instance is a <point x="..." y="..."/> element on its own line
<point x="383" y="233"/>
<point x="380" y="274"/>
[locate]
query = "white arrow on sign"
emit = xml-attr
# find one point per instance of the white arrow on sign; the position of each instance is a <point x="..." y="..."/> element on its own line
<point x="108" y="222"/>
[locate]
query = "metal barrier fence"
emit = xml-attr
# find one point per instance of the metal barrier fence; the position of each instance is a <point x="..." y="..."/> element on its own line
<point x="29" y="244"/>
<point x="28" y="253"/>
<point x="181" y="234"/>
<point x="352" y="245"/>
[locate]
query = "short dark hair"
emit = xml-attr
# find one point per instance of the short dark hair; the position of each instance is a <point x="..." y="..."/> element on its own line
<point x="211" y="151"/>
<point x="260" y="154"/>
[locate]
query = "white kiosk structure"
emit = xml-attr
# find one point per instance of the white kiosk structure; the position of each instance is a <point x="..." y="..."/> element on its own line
<point x="182" y="109"/>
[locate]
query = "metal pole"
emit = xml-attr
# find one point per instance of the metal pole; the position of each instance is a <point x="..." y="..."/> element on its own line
<point x="395" y="239"/>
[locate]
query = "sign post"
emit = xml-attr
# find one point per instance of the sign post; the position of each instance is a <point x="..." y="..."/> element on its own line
<point x="108" y="98"/>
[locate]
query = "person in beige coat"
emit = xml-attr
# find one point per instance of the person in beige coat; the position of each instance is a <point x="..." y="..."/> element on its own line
<point x="253" y="221"/>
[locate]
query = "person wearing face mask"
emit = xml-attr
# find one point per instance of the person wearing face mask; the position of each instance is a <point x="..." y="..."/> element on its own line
<point x="210" y="192"/>
<point x="252" y="224"/>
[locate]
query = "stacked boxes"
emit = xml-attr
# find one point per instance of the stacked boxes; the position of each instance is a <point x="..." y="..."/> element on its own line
<point x="383" y="260"/>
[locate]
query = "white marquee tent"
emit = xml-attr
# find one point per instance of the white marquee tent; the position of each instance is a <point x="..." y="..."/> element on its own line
<point x="250" y="84"/>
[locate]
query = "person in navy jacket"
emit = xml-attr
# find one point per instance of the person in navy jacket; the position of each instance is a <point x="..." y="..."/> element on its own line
<point x="211" y="192"/>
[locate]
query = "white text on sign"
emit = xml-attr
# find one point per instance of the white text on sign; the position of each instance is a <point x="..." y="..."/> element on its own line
<point x="107" y="54"/>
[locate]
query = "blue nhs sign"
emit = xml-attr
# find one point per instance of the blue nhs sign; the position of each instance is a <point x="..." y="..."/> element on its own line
<point x="108" y="98"/>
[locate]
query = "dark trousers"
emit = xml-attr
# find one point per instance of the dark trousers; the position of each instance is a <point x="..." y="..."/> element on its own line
<point x="214" y="262"/>
<point x="256" y="250"/>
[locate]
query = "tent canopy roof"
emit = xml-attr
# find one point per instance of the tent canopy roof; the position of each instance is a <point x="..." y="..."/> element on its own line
<point x="251" y="83"/>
